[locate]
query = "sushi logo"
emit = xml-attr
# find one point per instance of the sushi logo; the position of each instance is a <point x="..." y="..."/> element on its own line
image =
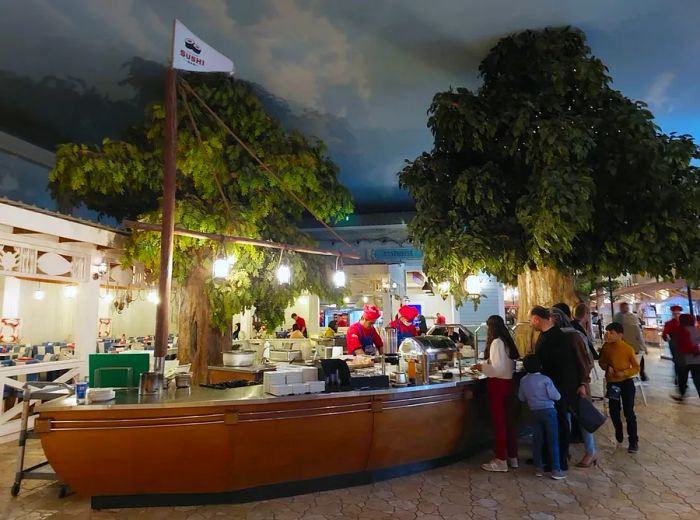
<point x="191" y="45"/>
<point x="192" y="57"/>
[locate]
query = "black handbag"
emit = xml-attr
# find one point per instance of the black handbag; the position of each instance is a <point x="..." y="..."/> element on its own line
<point x="587" y="415"/>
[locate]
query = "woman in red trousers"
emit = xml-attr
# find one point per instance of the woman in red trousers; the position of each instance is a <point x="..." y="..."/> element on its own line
<point x="498" y="366"/>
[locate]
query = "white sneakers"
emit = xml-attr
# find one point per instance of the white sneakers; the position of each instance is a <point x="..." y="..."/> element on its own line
<point x="499" y="465"/>
<point x="496" y="465"/>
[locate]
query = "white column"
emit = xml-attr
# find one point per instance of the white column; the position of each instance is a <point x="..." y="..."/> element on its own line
<point x="10" y="298"/>
<point x="86" y="326"/>
<point x="387" y="307"/>
<point x="312" y="320"/>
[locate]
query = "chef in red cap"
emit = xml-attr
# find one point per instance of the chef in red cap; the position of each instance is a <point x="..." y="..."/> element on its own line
<point x="362" y="337"/>
<point x="404" y="323"/>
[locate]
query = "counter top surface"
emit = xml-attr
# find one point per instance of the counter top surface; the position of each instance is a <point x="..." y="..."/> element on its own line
<point x="202" y="396"/>
<point x="250" y="369"/>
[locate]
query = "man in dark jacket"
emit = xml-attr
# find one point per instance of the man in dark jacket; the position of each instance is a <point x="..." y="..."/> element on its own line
<point x="560" y="363"/>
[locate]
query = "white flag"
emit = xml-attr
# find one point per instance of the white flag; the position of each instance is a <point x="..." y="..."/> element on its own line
<point x="191" y="53"/>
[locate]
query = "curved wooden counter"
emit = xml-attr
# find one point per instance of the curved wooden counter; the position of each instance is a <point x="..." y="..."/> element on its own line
<point x="215" y="441"/>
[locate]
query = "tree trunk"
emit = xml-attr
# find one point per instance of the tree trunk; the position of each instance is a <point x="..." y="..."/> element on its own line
<point x="543" y="287"/>
<point x="199" y="343"/>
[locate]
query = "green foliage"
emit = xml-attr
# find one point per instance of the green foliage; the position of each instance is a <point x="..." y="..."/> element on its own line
<point x="124" y="179"/>
<point x="547" y="165"/>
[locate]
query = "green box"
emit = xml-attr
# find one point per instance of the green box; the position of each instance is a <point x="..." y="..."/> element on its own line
<point x="115" y="369"/>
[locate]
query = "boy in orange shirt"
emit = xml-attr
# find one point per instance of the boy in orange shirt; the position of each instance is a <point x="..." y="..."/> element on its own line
<point x="619" y="362"/>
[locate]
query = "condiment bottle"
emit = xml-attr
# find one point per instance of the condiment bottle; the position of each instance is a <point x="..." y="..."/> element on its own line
<point x="411" y="371"/>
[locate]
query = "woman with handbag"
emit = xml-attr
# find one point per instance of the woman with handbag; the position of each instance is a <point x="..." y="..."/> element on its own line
<point x="619" y="362"/>
<point x="585" y="360"/>
<point x="498" y="366"/>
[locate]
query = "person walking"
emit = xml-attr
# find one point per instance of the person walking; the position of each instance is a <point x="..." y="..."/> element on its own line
<point x="620" y="364"/>
<point x="541" y="394"/>
<point x="586" y="363"/>
<point x="560" y="363"/>
<point x="633" y="335"/>
<point x="498" y="366"/>
<point x="688" y="345"/>
<point x="669" y="333"/>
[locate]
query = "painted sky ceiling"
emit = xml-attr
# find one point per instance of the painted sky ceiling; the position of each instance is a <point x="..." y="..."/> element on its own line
<point x="360" y="74"/>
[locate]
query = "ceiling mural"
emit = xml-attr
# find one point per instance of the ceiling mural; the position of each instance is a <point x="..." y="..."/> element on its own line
<point x="359" y="74"/>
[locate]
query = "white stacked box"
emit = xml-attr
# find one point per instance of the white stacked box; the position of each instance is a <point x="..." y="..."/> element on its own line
<point x="317" y="386"/>
<point x="273" y="378"/>
<point x="300" y="388"/>
<point x="281" y="389"/>
<point x="309" y="374"/>
<point x="288" y="380"/>
<point x="294" y="377"/>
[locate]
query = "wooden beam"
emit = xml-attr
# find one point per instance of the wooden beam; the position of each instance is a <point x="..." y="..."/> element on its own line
<point x="240" y="240"/>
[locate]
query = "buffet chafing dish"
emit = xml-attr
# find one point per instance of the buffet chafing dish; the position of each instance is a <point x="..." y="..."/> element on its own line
<point x="432" y="354"/>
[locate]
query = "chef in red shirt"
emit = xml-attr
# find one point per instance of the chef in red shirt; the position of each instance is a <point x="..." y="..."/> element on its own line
<point x="301" y="323"/>
<point x="439" y="319"/>
<point x="404" y="323"/>
<point x="362" y="337"/>
<point x="343" y="320"/>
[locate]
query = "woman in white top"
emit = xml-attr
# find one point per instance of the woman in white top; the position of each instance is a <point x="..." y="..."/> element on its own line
<point x="498" y="366"/>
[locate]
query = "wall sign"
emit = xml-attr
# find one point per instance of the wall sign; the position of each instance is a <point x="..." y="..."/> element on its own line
<point x="396" y="254"/>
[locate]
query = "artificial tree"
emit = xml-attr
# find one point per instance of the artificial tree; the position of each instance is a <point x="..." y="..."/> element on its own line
<point x="220" y="189"/>
<point x="546" y="171"/>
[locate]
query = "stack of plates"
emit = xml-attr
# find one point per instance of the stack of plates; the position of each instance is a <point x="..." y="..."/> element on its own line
<point x="101" y="394"/>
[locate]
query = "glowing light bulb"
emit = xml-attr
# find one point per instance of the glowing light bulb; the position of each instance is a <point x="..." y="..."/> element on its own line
<point x="39" y="295"/>
<point x="70" y="291"/>
<point x="221" y="266"/>
<point x="152" y="297"/>
<point x="473" y="284"/>
<point x="339" y="278"/>
<point x="284" y="274"/>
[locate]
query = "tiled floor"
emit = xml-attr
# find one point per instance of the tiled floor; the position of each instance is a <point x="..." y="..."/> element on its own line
<point x="661" y="481"/>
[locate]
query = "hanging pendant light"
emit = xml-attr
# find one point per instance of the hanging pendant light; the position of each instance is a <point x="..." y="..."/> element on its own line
<point x="70" y="291"/>
<point x="221" y="268"/>
<point x="39" y="294"/>
<point x="473" y="284"/>
<point x="284" y="272"/>
<point x="339" y="278"/>
<point x="427" y="288"/>
<point x="153" y="297"/>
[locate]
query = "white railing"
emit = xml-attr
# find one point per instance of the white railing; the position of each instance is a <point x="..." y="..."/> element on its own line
<point x="15" y="377"/>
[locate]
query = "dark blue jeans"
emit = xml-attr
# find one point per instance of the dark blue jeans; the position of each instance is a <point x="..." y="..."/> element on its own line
<point x="627" y="392"/>
<point x="545" y="428"/>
